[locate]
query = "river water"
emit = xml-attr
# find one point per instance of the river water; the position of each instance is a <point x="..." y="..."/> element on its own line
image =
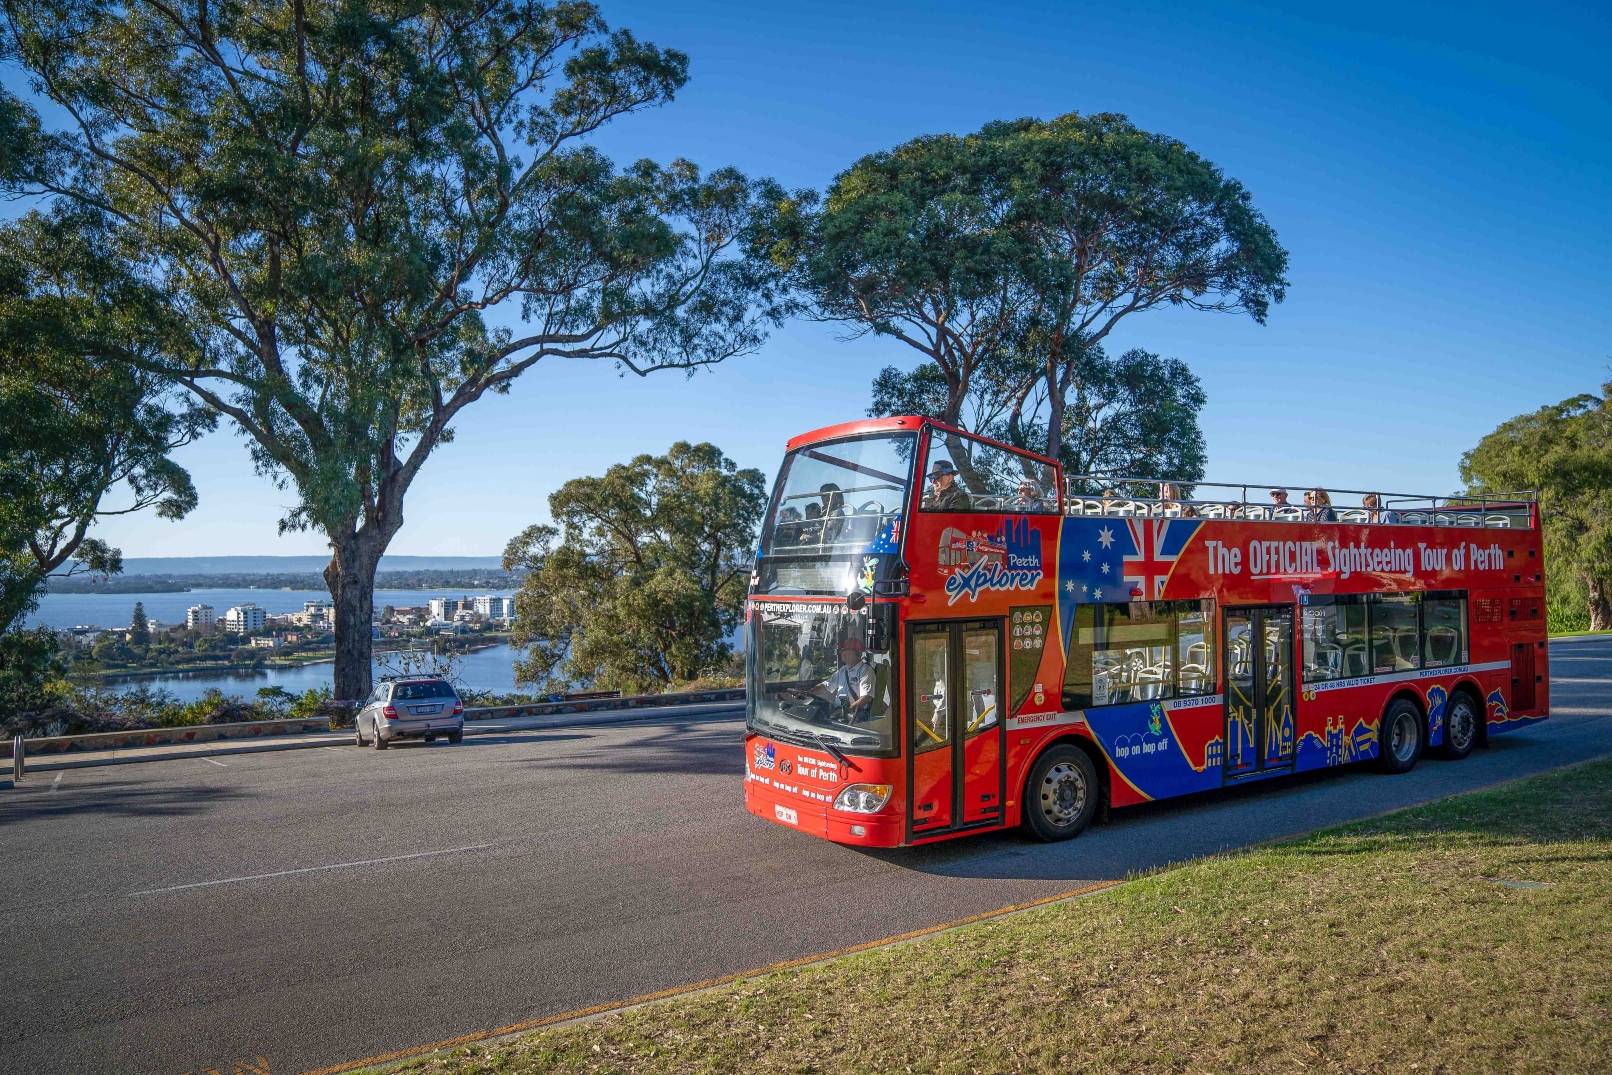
<point x="490" y="669"/>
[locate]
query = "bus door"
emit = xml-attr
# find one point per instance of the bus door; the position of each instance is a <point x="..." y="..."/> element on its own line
<point x="1260" y="727"/>
<point x="957" y="729"/>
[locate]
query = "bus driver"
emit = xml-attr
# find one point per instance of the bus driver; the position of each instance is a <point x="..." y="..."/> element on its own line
<point x="850" y="688"/>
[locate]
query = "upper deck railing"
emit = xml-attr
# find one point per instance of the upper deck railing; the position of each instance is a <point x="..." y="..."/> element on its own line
<point x="1111" y="495"/>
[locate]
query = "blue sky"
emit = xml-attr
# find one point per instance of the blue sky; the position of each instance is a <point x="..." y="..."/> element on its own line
<point x="1439" y="176"/>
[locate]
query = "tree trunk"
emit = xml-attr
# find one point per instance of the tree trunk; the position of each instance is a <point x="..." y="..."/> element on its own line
<point x="1600" y="606"/>
<point x="350" y="576"/>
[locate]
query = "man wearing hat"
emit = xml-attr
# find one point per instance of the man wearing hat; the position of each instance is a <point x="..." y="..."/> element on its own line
<point x="944" y="492"/>
<point x="850" y="688"/>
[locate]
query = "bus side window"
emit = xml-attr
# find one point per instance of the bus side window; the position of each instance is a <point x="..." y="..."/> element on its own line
<point x="1444" y="639"/>
<point x="1077" y="672"/>
<point x="1395" y="634"/>
<point x="1335" y="642"/>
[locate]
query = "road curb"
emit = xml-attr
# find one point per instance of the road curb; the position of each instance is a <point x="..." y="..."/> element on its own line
<point x="49" y="763"/>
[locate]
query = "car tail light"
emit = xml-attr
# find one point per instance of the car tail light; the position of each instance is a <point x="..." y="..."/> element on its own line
<point x="862" y="798"/>
<point x="390" y="712"/>
<point x="458" y="707"/>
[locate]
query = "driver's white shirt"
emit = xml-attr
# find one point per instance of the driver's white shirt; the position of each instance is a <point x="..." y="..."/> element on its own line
<point x="850" y="683"/>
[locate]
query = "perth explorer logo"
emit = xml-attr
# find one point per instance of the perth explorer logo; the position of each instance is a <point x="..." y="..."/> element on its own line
<point x="1015" y="565"/>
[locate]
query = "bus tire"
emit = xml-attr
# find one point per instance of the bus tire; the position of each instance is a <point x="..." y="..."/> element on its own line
<point x="1461" y="720"/>
<point x="1060" y="796"/>
<point x="1403" y="736"/>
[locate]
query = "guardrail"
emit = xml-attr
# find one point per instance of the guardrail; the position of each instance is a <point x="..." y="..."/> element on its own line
<point x="157" y="737"/>
<point x="596" y="705"/>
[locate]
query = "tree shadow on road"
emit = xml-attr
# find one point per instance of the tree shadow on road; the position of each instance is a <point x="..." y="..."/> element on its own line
<point x="34" y="801"/>
<point x="694" y="748"/>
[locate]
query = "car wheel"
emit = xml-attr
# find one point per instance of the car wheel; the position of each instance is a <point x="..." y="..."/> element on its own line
<point x="1460" y="727"/>
<point x="1400" y="741"/>
<point x="380" y="740"/>
<point x="456" y="737"/>
<point x="1060" y="797"/>
<point x="358" y="732"/>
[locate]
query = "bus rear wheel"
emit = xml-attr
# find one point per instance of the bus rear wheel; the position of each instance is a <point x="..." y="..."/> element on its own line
<point x="1402" y="736"/>
<point x="1060" y="797"/>
<point x="1460" y="727"/>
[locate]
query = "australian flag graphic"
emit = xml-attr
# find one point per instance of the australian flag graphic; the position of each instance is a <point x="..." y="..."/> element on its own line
<point x="1111" y="560"/>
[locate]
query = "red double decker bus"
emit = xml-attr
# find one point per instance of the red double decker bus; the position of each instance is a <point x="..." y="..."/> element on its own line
<point x="945" y="638"/>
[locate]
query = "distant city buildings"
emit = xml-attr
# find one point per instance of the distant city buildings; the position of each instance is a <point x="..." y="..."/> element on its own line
<point x="444" y="608"/>
<point x="493" y="607"/>
<point x="198" y="617"/>
<point x="314" y="614"/>
<point x="266" y="642"/>
<point x="244" y="618"/>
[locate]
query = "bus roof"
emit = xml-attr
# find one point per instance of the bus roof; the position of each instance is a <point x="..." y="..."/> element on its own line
<point x="908" y="421"/>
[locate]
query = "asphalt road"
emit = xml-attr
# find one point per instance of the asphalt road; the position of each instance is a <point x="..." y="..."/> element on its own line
<point x="286" y="911"/>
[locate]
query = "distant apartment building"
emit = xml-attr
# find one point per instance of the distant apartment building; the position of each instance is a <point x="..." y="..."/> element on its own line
<point x="444" y="608"/>
<point x="266" y="642"/>
<point x="315" y="614"/>
<point x="248" y="617"/>
<point x="493" y="607"/>
<point x="200" y="616"/>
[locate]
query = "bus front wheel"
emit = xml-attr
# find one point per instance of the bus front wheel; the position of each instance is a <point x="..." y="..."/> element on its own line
<point x="1060" y="797"/>
<point x="1402" y="737"/>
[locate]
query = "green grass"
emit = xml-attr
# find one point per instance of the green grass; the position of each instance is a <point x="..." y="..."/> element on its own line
<point x="1382" y="946"/>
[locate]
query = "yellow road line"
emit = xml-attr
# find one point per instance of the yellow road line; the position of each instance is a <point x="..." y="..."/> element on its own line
<point x="709" y="983"/>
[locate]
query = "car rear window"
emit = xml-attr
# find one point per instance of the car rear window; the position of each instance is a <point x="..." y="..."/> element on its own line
<point x="413" y="692"/>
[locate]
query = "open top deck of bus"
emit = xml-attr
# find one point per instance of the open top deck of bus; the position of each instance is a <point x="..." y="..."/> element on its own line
<point x="1241" y="500"/>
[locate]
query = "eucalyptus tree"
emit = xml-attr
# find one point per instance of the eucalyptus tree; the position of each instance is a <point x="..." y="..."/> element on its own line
<point x="85" y="433"/>
<point x="908" y="244"/>
<point x="1564" y="451"/>
<point x="379" y="211"/>
<point x="1109" y="221"/>
<point x="645" y="577"/>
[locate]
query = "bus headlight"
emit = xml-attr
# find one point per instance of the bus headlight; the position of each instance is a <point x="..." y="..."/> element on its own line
<point x="862" y="798"/>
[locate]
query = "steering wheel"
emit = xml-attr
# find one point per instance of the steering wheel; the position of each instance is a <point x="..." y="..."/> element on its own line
<point x="804" y="706"/>
<point x="872" y="507"/>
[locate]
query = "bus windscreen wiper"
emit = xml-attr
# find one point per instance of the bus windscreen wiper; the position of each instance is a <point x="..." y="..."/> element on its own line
<point x="832" y="749"/>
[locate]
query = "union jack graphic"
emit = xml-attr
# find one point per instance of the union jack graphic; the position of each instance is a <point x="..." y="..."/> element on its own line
<point x="1150" y="568"/>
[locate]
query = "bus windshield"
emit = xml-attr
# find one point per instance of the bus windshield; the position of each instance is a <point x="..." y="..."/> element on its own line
<point x="838" y="497"/>
<point x="812" y="682"/>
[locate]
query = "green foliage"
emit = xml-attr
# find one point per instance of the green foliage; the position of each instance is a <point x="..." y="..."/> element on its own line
<point x="310" y="703"/>
<point x="336" y="194"/>
<point x="1564" y="451"/>
<point x="1006" y="257"/>
<point x="77" y="421"/>
<point x="30" y="671"/>
<point x="139" y="626"/>
<point x="650" y="576"/>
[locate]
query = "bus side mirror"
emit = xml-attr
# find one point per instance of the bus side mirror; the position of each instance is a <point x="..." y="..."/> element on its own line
<point x="878" y="640"/>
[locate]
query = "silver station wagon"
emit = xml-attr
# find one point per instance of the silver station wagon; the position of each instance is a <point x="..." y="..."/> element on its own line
<point x="415" y="708"/>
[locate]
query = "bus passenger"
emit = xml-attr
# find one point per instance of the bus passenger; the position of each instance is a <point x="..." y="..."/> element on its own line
<point x="1027" y="497"/>
<point x="788" y="528"/>
<point x="1373" y="503"/>
<point x="833" y="509"/>
<point x="1278" y="498"/>
<point x="811" y="532"/>
<point x="850" y="689"/>
<point x="1170" y="495"/>
<point x="1318" y="507"/>
<point x="944" y="492"/>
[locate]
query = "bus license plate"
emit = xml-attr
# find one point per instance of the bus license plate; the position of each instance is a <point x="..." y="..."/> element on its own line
<point x="786" y="815"/>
